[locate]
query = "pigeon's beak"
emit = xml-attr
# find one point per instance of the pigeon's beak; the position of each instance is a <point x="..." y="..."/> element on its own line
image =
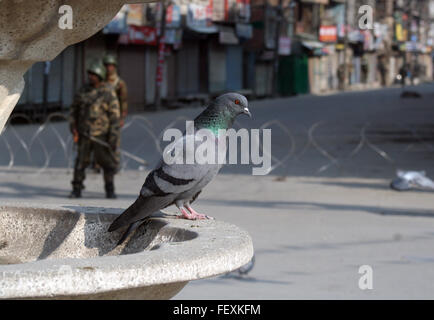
<point x="246" y="111"/>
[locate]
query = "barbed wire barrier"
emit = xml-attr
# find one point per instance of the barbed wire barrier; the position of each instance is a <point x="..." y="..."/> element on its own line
<point x="40" y="142"/>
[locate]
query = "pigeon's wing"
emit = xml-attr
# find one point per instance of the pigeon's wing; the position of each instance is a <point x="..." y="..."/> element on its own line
<point x="178" y="173"/>
<point x="166" y="184"/>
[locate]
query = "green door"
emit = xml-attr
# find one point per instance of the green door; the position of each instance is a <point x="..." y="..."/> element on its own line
<point x="293" y="75"/>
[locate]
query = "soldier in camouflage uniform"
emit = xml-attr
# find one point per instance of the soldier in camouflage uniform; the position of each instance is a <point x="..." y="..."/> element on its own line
<point x="95" y="124"/>
<point x="118" y="84"/>
<point x="120" y="88"/>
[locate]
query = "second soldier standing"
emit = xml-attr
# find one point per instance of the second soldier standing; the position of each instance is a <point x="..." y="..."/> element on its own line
<point x="118" y="84"/>
<point x="95" y="124"/>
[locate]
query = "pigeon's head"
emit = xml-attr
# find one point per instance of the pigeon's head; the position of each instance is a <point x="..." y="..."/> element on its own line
<point x="236" y="103"/>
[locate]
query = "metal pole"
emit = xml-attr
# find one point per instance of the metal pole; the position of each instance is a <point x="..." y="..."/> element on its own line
<point x="83" y="63"/>
<point x="45" y="90"/>
<point x="390" y="23"/>
<point x="276" y="48"/>
<point x="62" y="56"/>
<point x="345" y="45"/>
<point x="160" y="57"/>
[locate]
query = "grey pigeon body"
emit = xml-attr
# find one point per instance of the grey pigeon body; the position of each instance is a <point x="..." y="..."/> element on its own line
<point x="180" y="183"/>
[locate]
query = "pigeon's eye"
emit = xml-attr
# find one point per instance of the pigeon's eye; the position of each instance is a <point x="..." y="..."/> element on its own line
<point x="237" y="101"/>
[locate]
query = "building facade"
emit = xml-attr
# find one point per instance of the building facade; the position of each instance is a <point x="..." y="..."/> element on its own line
<point x="194" y="50"/>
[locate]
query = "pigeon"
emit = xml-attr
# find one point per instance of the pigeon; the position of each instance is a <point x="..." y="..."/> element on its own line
<point x="180" y="183"/>
<point x="411" y="179"/>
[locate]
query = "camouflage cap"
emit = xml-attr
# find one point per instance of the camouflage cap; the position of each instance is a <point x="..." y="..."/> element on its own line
<point x="110" y="59"/>
<point x="98" y="69"/>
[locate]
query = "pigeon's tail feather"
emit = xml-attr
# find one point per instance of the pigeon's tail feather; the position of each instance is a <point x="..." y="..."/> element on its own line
<point x="140" y="209"/>
<point x="130" y="229"/>
<point x="127" y="217"/>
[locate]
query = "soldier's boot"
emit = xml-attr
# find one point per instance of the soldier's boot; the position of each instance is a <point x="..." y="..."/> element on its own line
<point x="77" y="183"/>
<point x="110" y="191"/>
<point x="75" y="193"/>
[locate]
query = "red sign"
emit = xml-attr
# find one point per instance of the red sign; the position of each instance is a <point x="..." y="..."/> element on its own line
<point x="328" y="34"/>
<point x="140" y="35"/>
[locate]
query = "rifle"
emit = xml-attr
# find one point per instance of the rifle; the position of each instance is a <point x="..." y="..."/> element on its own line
<point x="125" y="153"/>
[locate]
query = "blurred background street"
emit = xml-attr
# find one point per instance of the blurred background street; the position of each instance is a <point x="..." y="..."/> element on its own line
<point x="181" y="53"/>
<point x="324" y="210"/>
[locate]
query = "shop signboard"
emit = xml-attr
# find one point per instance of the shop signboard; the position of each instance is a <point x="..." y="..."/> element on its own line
<point x="328" y="34"/>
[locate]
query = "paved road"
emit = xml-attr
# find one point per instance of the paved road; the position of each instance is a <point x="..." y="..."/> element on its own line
<point x="311" y="229"/>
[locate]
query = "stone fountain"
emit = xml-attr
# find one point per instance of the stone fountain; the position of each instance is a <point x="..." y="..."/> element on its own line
<point x="65" y="252"/>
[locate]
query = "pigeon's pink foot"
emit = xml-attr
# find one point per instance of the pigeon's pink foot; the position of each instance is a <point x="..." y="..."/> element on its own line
<point x="185" y="214"/>
<point x="196" y="215"/>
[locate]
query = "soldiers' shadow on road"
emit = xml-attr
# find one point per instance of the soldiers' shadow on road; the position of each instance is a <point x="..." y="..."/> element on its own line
<point x="363" y="185"/>
<point x="22" y="190"/>
<point x="386" y="211"/>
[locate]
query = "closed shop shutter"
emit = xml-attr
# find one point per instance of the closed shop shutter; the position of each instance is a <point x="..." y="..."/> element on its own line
<point x="188" y="68"/>
<point x="234" y="68"/>
<point x="132" y="70"/>
<point x="217" y="68"/>
<point x="151" y="58"/>
<point x="264" y="81"/>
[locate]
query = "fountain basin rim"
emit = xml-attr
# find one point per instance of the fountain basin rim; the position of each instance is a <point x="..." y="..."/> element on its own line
<point x="219" y="248"/>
